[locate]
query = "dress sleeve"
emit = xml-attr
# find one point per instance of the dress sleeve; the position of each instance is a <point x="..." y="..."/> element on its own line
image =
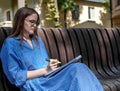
<point x="11" y="65"/>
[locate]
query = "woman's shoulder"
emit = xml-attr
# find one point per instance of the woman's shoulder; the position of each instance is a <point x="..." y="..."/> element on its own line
<point x="10" y="40"/>
<point x="8" y="44"/>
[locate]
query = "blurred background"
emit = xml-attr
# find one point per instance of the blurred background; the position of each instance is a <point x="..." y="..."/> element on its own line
<point x="66" y="13"/>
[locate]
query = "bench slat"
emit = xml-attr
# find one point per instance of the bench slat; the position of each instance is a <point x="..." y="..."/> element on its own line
<point x="96" y="56"/>
<point x="114" y="51"/>
<point x="60" y="46"/>
<point x="74" y="42"/>
<point x="67" y="44"/>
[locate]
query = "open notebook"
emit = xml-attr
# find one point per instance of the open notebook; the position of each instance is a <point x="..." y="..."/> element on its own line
<point x="63" y="66"/>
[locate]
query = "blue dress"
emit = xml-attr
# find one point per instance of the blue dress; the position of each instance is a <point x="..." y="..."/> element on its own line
<point x="17" y="60"/>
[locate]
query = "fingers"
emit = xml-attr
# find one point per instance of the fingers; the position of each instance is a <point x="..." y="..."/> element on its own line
<point x="55" y="61"/>
<point x="53" y="64"/>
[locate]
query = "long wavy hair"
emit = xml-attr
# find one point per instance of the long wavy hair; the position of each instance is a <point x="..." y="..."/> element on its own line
<point x="18" y="22"/>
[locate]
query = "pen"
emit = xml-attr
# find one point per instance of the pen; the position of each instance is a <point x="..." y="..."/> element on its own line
<point x="58" y="62"/>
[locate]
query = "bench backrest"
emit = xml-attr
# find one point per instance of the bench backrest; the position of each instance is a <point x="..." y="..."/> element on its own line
<point x="99" y="47"/>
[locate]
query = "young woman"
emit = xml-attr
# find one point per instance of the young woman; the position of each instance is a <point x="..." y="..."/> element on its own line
<point x="24" y="62"/>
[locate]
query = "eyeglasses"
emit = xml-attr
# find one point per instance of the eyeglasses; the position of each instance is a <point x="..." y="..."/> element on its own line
<point x="33" y="22"/>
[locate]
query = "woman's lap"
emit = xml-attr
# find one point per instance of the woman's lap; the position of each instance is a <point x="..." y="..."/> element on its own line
<point x="76" y="76"/>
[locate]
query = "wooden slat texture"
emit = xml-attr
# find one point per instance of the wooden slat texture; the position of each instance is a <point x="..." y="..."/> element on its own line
<point x="104" y="49"/>
<point x="96" y="49"/>
<point x="41" y="33"/>
<point x="117" y="40"/>
<point x="82" y="45"/>
<point x="114" y="54"/>
<point x="51" y="43"/>
<point x="74" y="42"/>
<point x="60" y="45"/>
<point x="67" y="44"/>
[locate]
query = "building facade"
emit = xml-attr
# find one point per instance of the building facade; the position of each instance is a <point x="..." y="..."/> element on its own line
<point x="7" y="10"/>
<point x="91" y="13"/>
<point x="115" y="4"/>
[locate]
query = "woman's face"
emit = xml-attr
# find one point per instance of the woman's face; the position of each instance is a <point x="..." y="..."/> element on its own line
<point x="30" y="24"/>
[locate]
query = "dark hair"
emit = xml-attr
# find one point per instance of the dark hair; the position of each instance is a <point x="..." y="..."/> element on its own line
<point x="18" y="21"/>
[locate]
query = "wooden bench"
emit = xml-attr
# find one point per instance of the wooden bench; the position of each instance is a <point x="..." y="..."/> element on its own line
<point x="99" y="47"/>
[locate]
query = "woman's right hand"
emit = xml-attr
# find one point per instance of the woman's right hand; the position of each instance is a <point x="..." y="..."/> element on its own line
<point x="39" y="72"/>
<point x="53" y="64"/>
